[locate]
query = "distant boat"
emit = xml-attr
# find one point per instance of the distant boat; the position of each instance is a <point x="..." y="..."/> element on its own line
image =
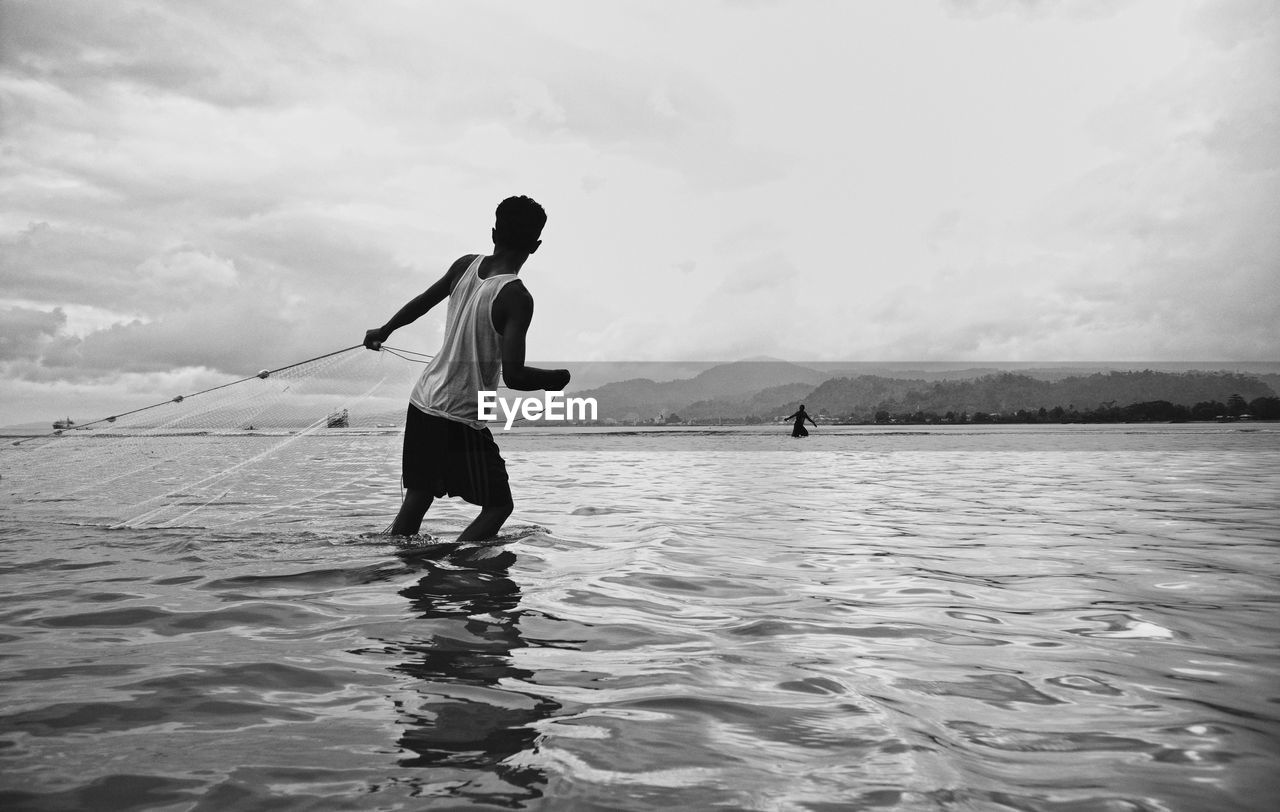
<point x="64" y="423"/>
<point x="338" y="420"/>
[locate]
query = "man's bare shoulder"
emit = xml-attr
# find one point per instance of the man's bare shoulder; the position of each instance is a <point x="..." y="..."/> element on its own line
<point x="457" y="269"/>
<point x="461" y="264"/>
<point x="512" y="302"/>
<point x="514" y="297"/>
<point x="515" y="289"/>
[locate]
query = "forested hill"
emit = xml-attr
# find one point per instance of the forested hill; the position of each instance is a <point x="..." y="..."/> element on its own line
<point x="1007" y="392"/>
<point x="737" y="382"/>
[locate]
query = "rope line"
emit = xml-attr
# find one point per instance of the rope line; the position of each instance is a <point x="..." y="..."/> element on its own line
<point x="396" y="351"/>
<point x="411" y="352"/>
<point x="399" y="352"/>
<point x="136" y="480"/>
<point x="120" y="475"/>
<point x="264" y="374"/>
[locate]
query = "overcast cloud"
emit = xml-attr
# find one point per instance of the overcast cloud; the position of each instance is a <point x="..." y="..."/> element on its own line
<point x="190" y="191"/>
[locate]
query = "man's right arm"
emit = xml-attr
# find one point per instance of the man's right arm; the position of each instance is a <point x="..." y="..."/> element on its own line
<point x="418" y="306"/>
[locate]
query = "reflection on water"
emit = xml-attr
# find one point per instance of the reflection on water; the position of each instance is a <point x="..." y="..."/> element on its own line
<point x="463" y="718"/>
<point x="1010" y="620"/>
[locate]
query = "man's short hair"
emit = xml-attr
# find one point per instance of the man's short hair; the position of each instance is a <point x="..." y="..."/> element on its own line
<point x="518" y="223"/>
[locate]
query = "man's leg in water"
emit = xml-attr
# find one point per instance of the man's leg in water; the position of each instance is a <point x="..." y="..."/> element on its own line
<point x="409" y="520"/>
<point x="489" y="522"/>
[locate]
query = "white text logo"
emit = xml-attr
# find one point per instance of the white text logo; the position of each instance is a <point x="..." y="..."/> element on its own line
<point x="555" y="407"/>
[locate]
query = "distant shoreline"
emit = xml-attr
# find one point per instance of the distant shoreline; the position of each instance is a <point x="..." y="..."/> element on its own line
<point x="21" y="433"/>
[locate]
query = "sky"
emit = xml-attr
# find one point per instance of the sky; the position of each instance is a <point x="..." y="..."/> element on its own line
<point x="192" y="191"/>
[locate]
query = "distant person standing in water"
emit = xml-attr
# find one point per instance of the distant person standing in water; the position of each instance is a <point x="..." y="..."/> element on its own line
<point x="448" y="450"/>
<point x="798" y="430"/>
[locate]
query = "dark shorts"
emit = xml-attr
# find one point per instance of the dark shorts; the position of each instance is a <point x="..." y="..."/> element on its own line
<point x="448" y="458"/>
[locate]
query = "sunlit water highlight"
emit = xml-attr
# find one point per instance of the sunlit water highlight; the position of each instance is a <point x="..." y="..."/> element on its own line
<point x="1065" y="618"/>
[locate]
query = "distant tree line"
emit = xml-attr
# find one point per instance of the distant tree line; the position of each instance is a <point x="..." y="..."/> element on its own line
<point x="1008" y="393"/>
<point x="727" y="395"/>
<point x="1152" y="411"/>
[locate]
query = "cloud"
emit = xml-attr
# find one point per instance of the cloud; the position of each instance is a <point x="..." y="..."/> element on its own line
<point x="1035" y="9"/>
<point x="415" y="71"/>
<point x="1231" y="22"/>
<point x="25" y="331"/>
<point x="227" y="186"/>
<point x="193" y="306"/>
<point x="772" y="276"/>
<point x="1248" y="139"/>
<point x="188" y="268"/>
<point x="88" y="49"/>
<point x="67" y="265"/>
<point x="571" y="92"/>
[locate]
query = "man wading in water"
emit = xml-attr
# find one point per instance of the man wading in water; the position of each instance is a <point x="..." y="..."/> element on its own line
<point x="798" y="430"/>
<point x="448" y="451"/>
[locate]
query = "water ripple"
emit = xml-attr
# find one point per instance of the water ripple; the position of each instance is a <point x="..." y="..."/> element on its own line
<point x="736" y="621"/>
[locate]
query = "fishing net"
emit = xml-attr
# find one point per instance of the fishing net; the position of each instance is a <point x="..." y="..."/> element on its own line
<point x="250" y="448"/>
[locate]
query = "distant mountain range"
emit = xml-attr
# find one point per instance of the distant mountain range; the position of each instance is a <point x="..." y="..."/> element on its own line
<point x="741" y="381"/>
<point x="769" y="389"/>
<point x="1007" y="392"/>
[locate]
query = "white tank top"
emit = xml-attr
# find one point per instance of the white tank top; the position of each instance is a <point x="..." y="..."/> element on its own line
<point x="470" y="359"/>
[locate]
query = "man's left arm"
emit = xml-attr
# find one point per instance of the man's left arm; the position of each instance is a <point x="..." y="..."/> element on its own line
<point x="512" y="313"/>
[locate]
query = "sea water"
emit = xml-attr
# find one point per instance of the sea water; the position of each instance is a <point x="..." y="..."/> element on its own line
<point x="1003" y="618"/>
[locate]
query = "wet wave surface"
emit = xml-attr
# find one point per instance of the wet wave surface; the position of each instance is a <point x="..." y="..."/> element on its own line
<point x="803" y="626"/>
